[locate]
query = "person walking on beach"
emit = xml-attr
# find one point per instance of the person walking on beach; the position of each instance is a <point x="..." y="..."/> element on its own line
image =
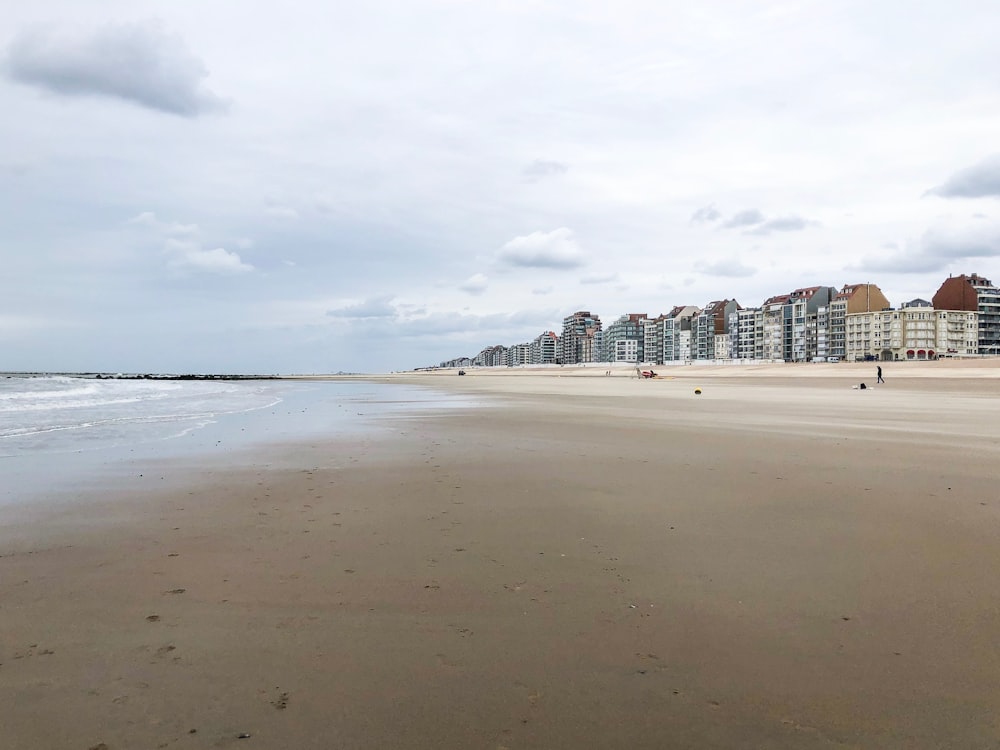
<point x="880" y="379"/>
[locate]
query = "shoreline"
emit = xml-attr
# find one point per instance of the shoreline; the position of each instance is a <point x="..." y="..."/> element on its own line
<point x="778" y="562"/>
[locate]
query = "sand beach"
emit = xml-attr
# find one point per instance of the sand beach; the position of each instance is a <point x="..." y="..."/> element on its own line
<point x="783" y="561"/>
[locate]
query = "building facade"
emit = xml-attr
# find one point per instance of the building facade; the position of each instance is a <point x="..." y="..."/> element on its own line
<point x="710" y="322"/>
<point x="624" y="339"/>
<point x="581" y="338"/>
<point x="852" y="298"/>
<point x="677" y="333"/>
<point x="544" y="349"/>
<point x="974" y="293"/>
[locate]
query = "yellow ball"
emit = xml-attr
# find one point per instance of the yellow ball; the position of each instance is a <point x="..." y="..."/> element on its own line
<point x="697" y="391"/>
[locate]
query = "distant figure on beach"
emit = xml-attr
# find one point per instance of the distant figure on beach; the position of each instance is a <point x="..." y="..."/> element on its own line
<point x="880" y="380"/>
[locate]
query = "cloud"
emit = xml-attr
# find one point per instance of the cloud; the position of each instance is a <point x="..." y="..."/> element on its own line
<point x="555" y="249"/>
<point x="190" y="256"/>
<point x="183" y="246"/>
<point x="782" y="224"/>
<point x="148" y="220"/>
<point x="730" y="269"/>
<point x="139" y="63"/>
<point x="376" y="307"/>
<point x="543" y="290"/>
<point x="281" y="212"/>
<point x="468" y="326"/>
<point x="981" y="180"/>
<point x="475" y="284"/>
<point x="15" y="169"/>
<point x="744" y="219"/>
<point x="540" y="168"/>
<point x="706" y="214"/>
<point x="938" y="248"/>
<point x="598" y="278"/>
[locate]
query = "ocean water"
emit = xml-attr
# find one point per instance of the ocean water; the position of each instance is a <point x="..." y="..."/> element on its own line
<point x="57" y="430"/>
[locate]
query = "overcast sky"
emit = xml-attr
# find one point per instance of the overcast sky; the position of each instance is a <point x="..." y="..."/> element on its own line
<point x="244" y="186"/>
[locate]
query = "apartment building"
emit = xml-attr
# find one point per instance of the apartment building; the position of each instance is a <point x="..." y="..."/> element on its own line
<point x="772" y="326"/>
<point x="710" y="322"/>
<point x="581" y="338"/>
<point x="974" y="293"/>
<point x="746" y="333"/>
<point x="852" y="298"/>
<point x="823" y="344"/>
<point x="624" y="339"/>
<point x="652" y="340"/>
<point x="677" y="333"/>
<point x="800" y="323"/>
<point x="916" y="331"/>
<point x="518" y="354"/>
<point x="544" y="349"/>
<point x="957" y="333"/>
<point x="721" y="348"/>
<point x="491" y="356"/>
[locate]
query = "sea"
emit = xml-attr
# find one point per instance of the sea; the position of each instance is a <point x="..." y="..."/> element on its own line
<point x="58" y="430"/>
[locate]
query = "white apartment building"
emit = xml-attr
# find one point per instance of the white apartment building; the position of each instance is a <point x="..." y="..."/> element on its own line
<point x="544" y="349"/>
<point x="677" y="333"/>
<point x="518" y="354"/>
<point x="916" y="331"/>
<point x="626" y="350"/>
<point x="957" y="333"/>
<point x="652" y="340"/>
<point x="722" y="346"/>
<point x="745" y="333"/>
<point x="772" y="327"/>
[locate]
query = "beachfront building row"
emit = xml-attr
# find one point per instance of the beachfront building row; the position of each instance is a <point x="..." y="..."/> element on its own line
<point x="915" y="331"/>
<point x="817" y="323"/>
<point x="543" y="350"/>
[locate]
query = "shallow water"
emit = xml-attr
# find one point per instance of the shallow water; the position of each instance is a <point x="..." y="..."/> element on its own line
<point x="58" y="431"/>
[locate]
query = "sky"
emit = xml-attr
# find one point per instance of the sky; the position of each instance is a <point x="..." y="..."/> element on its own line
<point x="240" y="186"/>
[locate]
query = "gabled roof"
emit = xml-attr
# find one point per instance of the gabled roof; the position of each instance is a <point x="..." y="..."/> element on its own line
<point x="805" y="292"/>
<point x="848" y="291"/>
<point x="679" y="309"/>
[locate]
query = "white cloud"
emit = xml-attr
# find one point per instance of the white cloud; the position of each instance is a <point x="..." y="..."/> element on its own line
<point x="475" y="284"/>
<point x="148" y="220"/>
<point x="281" y="212"/>
<point x="541" y="168"/>
<point x="730" y="268"/>
<point x="745" y="218"/>
<point x="782" y="224"/>
<point x="707" y="213"/>
<point x="140" y="63"/>
<point x="555" y="249"/>
<point x="938" y="248"/>
<point x="981" y="180"/>
<point x="189" y="256"/>
<point x="376" y="307"/>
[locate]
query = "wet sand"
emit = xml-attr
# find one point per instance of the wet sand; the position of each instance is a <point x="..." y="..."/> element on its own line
<point x="781" y="562"/>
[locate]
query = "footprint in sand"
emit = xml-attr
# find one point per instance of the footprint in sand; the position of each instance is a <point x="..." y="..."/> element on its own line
<point x="445" y="661"/>
<point x="281" y="702"/>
